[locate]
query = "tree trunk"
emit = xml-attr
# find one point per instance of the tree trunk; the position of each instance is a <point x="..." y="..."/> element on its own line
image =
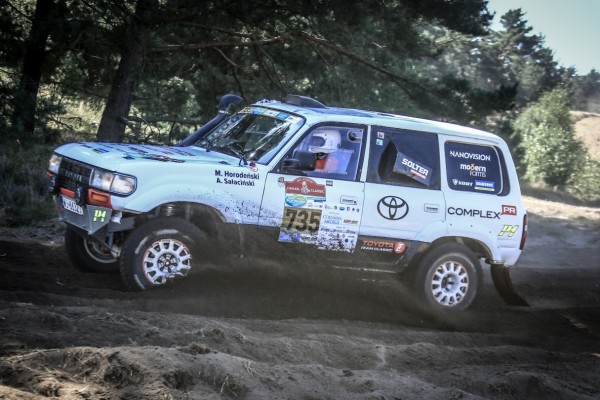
<point x="133" y="57"/>
<point x="23" y="118"/>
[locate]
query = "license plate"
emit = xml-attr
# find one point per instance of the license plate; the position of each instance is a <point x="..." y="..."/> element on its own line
<point x="70" y="204"/>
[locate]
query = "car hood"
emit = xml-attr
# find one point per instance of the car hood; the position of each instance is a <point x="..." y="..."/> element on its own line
<point x="114" y="157"/>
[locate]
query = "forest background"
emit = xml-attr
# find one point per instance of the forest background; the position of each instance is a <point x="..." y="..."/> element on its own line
<point x="152" y="71"/>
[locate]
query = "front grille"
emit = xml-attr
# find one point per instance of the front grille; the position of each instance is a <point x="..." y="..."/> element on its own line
<point x="72" y="172"/>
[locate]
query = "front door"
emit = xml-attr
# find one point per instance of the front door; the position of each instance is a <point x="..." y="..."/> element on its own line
<point x="322" y="208"/>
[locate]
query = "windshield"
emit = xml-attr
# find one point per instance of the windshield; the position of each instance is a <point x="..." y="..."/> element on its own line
<point x="253" y="134"/>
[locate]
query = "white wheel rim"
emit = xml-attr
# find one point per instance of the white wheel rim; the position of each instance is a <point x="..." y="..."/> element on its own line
<point x="449" y="283"/>
<point x="166" y="259"/>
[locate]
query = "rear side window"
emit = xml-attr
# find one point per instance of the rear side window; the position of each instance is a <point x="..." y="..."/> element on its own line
<point x="404" y="158"/>
<point x="475" y="168"/>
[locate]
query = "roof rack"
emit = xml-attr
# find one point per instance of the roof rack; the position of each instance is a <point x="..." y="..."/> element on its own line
<point x="303" y="101"/>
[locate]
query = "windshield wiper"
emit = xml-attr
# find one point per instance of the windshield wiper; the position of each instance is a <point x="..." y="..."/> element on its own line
<point x="207" y="144"/>
<point x="239" y="154"/>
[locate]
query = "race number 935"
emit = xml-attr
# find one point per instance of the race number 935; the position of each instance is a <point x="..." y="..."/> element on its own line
<point x="301" y="220"/>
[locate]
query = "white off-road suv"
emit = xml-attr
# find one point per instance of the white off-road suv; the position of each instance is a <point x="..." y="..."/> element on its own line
<point x="337" y="186"/>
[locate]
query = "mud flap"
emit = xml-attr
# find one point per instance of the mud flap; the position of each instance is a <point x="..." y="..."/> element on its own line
<point x="504" y="286"/>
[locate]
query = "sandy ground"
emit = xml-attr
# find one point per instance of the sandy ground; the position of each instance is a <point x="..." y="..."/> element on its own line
<point x="274" y="332"/>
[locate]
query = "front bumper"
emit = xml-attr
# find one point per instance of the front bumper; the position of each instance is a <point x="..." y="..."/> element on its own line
<point x="87" y="217"/>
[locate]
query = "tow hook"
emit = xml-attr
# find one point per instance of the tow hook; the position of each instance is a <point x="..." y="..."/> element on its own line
<point x="504" y="286"/>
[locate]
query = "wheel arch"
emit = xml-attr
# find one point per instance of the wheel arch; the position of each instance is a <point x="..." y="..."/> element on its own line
<point x="480" y="249"/>
<point x="206" y="217"/>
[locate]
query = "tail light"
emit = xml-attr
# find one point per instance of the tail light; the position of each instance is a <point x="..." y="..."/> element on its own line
<point x="524" y="234"/>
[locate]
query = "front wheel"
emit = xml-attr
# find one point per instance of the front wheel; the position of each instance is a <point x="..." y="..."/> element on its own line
<point x="88" y="255"/>
<point x="159" y="251"/>
<point x="448" y="277"/>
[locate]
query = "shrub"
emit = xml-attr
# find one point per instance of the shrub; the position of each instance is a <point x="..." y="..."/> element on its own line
<point x="23" y="186"/>
<point x="550" y="151"/>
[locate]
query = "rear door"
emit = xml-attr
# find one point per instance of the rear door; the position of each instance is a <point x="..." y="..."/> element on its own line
<point x="403" y="200"/>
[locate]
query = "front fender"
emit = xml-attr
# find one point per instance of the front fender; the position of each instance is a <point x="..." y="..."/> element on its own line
<point x="233" y="211"/>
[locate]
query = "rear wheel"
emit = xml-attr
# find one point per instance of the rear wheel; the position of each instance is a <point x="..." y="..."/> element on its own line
<point x="160" y="251"/>
<point x="448" y="277"/>
<point x="88" y="255"/>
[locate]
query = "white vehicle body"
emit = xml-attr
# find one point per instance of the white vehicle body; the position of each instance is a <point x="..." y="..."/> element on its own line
<point x="396" y="187"/>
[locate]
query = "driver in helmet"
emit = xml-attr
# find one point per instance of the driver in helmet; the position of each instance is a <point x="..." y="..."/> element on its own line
<point x="322" y="144"/>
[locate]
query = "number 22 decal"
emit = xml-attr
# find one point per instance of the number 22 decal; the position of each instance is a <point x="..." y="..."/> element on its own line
<point x="301" y="220"/>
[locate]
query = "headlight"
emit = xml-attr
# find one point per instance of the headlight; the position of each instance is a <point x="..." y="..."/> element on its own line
<point x="112" y="182"/>
<point x="123" y="184"/>
<point x="101" y="179"/>
<point x="54" y="163"/>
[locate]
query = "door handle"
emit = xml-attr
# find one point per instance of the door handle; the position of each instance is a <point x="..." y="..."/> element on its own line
<point x="432" y="208"/>
<point x="349" y="200"/>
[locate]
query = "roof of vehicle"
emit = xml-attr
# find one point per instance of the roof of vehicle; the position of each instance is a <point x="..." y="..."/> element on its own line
<point x="323" y="113"/>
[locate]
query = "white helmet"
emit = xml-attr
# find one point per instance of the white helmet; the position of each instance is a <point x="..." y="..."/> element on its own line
<point x="325" y="141"/>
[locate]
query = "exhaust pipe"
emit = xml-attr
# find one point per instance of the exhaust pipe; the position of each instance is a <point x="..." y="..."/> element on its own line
<point x="504" y="286"/>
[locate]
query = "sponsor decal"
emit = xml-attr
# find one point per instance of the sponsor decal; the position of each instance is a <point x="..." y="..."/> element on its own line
<point x="99" y="215"/>
<point x="382" y="245"/>
<point x="509" y="210"/>
<point x="289" y="237"/>
<point x="295" y="200"/>
<point x="458" y="182"/>
<point x="508" y="230"/>
<point x="236" y="178"/>
<point x="306" y="187"/>
<point x="468" y="212"/>
<point x="470" y="156"/>
<point x="474" y="170"/>
<point x="392" y="208"/>
<point x="350" y="221"/>
<point x="379" y="142"/>
<point x="380" y="135"/>
<point x="301" y="220"/>
<point x="153" y="157"/>
<point x="412" y="168"/>
<point x="252" y="166"/>
<point x="485" y="185"/>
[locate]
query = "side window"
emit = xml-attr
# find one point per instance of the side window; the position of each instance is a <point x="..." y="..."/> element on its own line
<point x="404" y="158"/>
<point x="474" y="168"/>
<point x="337" y="151"/>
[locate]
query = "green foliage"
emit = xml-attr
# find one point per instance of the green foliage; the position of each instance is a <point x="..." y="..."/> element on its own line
<point x="24" y="185"/>
<point x="551" y="153"/>
<point x="584" y="183"/>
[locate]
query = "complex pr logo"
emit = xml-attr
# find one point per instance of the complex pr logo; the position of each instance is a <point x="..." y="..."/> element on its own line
<point x="392" y="208"/>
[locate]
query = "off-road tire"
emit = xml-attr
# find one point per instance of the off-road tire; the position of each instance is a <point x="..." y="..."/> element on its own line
<point x="160" y="250"/>
<point x="448" y="278"/>
<point x="88" y="256"/>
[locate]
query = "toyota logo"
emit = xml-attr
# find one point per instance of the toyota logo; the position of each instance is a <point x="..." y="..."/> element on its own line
<point x="392" y="207"/>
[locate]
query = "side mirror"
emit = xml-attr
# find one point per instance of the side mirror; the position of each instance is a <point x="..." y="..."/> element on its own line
<point x="301" y="161"/>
